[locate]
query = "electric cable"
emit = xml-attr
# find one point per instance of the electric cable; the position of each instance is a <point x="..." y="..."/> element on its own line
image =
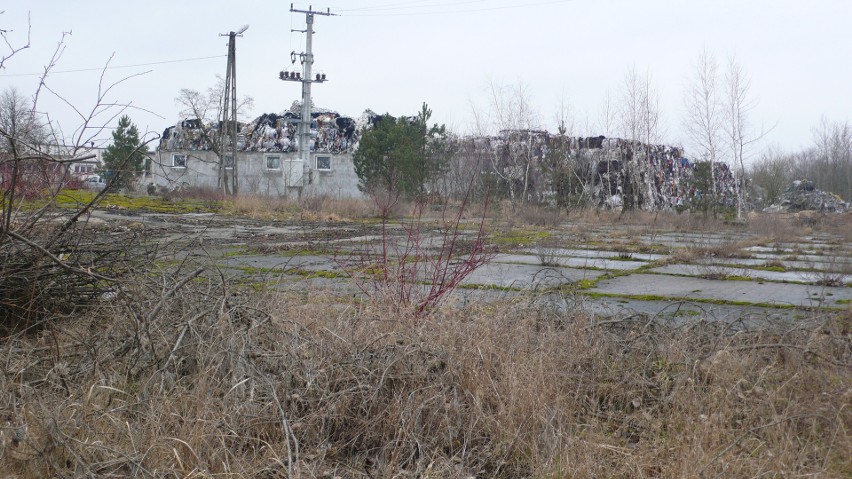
<point x="404" y="5"/>
<point x="450" y="12"/>
<point x="108" y="67"/>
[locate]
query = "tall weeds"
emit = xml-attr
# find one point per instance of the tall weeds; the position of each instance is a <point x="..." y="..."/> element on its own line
<point x="238" y="385"/>
<point x="417" y="269"/>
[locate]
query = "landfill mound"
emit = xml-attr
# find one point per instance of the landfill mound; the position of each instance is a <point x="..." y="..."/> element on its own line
<point x="803" y="195"/>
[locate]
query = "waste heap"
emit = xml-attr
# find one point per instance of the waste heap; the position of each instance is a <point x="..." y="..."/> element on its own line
<point x="803" y="195"/>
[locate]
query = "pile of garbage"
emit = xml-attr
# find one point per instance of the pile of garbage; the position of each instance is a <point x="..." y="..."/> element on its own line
<point x="273" y="132"/>
<point x="802" y="195"/>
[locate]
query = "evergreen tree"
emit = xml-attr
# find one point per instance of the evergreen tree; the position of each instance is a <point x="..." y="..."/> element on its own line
<point x="400" y="155"/>
<point x="125" y="158"/>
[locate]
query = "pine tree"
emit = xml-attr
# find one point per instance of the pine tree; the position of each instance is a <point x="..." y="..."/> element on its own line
<point x="125" y="158"/>
<point x="400" y="155"/>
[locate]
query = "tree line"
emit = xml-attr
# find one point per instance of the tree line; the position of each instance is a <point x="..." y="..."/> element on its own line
<point x="827" y="162"/>
<point x="408" y="157"/>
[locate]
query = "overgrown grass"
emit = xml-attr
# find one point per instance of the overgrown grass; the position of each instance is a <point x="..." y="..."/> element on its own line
<point x="195" y="375"/>
<point x="277" y="385"/>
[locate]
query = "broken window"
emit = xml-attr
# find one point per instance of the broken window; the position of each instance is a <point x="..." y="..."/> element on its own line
<point x="179" y="161"/>
<point x="324" y="163"/>
<point x="273" y="162"/>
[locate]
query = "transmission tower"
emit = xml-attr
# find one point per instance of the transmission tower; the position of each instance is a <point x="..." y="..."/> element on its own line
<point x="307" y="60"/>
<point x="228" y="126"/>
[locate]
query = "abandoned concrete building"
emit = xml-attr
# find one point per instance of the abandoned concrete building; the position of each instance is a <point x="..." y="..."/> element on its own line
<point x="531" y="164"/>
<point x="267" y="156"/>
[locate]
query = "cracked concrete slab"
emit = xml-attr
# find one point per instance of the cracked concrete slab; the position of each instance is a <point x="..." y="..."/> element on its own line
<point x="783" y="294"/>
<point x="524" y="276"/>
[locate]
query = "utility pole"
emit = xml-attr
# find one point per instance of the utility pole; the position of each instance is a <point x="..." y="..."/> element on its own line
<point x="307" y="60"/>
<point x="228" y="128"/>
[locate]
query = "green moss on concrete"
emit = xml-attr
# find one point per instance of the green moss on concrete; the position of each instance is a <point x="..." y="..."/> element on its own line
<point x="520" y="237"/>
<point x="77" y="198"/>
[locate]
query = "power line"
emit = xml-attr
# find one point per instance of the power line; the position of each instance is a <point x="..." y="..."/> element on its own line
<point x="115" y="67"/>
<point x="408" y="5"/>
<point x="380" y="7"/>
<point x="307" y="61"/>
<point x="449" y="12"/>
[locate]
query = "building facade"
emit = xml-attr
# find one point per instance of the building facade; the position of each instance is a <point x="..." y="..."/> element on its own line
<point x="267" y="161"/>
<point x="264" y="173"/>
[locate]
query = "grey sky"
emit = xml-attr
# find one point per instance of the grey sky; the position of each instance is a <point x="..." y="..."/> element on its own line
<point x="798" y="55"/>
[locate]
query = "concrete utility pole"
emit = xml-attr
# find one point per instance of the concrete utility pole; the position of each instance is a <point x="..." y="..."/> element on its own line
<point x="228" y="128"/>
<point x="307" y="59"/>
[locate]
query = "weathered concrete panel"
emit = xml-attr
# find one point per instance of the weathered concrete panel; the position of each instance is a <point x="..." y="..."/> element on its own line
<point x="262" y="173"/>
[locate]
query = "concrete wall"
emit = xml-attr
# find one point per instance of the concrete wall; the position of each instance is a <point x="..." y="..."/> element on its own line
<point x="279" y="174"/>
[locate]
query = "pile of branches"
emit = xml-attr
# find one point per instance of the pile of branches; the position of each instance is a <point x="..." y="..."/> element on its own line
<point x="57" y="264"/>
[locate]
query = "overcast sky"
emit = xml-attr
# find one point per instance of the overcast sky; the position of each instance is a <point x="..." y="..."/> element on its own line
<point x="392" y="55"/>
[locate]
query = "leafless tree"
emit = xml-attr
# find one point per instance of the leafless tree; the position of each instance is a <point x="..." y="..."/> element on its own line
<point x="512" y="119"/>
<point x="771" y="173"/>
<point x="50" y="259"/>
<point x="640" y="110"/>
<point x="23" y="130"/>
<point x="833" y="142"/>
<point x="740" y="134"/>
<point x="207" y="108"/>
<point x="13" y="47"/>
<point x="640" y="124"/>
<point x="569" y="172"/>
<point x="606" y="116"/>
<point x="828" y="163"/>
<point x="703" y="116"/>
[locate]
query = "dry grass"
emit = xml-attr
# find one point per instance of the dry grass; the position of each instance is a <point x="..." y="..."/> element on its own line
<point x="236" y="385"/>
<point x="312" y="208"/>
<point x="185" y="376"/>
<point x="328" y="209"/>
<point x="261" y="207"/>
<point x="320" y="207"/>
<point x="716" y="251"/>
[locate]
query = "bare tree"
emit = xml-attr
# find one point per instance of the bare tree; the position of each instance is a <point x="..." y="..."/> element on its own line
<point x="23" y="139"/>
<point x="771" y="173"/>
<point x="569" y="173"/>
<point x="20" y="123"/>
<point x="741" y="135"/>
<point x="833" y="142"/>
<point x="606" y="116"/>
<point x="50" y="260"/>
<point x="640" y="124"/>
<point x="513" y="121"/>
<point x="207" y="108"/>
<point x="13" y="47"/>
<point x="828" y="163"/>
<point x="703" y="119"/>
